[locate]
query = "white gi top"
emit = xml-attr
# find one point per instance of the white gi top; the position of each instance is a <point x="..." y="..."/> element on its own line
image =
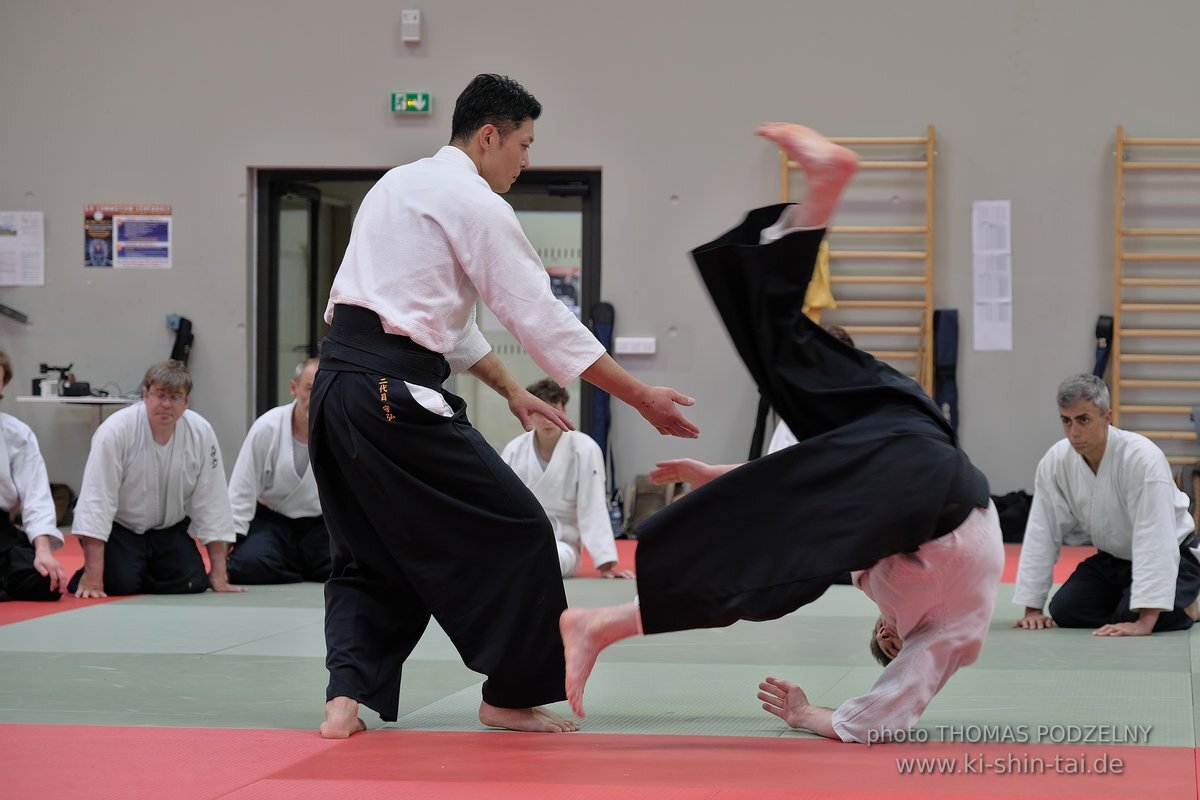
<point x="265" y="472"/>
<point x="781" y="438"/>
<point x="430" y="238"/>
<point x="24" y="484"/>
<point x="570" y="489"/>
<point x="122" y="480"/>
<point x="940" y="599"/>
<point x="1130" y="507"/>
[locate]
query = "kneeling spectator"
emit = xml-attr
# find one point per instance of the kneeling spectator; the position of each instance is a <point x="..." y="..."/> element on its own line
<point x="153" y="479"/>
<point x="276" y="513"/>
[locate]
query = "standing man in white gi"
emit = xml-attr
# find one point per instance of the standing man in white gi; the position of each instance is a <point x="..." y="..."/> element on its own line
<point x="424" y="517"/>
<point x="276" y="512"/>
<point x="565" y="472"/>
<point x="28" y="568"/>
<point x="925" y="544"/>
<point x="1117" y="486"/>
<point x="154" y="478"/>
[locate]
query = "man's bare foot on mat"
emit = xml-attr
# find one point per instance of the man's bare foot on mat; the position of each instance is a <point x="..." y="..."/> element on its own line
<point x="534" y="720"/>
<point x="341" y="719"/>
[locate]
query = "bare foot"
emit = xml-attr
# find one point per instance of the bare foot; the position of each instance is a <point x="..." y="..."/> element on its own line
<point x="1193" y="610"/>
<point x="341" y="719"/>
<point x="534" y="720"/>
<point x="827" y="166"/>
<point x="587" y="631"/>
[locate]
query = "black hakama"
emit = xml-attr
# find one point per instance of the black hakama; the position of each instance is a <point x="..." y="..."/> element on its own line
<point x="424" y="518"/>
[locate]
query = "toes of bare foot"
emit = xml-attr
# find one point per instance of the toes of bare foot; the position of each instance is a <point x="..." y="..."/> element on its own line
<point x="565" y="725"/>
<point x="581" y="652"/>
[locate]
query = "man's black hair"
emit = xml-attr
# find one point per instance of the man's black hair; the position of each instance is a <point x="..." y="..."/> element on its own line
<point x="492" y="99"/>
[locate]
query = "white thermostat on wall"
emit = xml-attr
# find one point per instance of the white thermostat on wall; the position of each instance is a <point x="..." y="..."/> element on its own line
<point x="410" y="25"/>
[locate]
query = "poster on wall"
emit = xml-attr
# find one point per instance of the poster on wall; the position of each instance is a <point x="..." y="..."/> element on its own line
<point x="22" y="248"/>
<point x="127" y="236"/>
<point x="991" y="245"/>
<point x="565" y="283"/>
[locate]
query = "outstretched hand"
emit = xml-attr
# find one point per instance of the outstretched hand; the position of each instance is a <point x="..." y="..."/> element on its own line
<point x="524" y="405"/>
<point x="659" y="407"/>
<point x="785" y="700"/>
<point x="684" y="470"/>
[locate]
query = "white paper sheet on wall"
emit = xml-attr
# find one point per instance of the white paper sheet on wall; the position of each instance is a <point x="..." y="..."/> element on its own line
<point x="22" y="248"/>
<point x="991" y="244"/>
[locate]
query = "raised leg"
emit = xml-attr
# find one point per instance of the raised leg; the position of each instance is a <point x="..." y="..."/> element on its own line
<point x="828" y="167"/>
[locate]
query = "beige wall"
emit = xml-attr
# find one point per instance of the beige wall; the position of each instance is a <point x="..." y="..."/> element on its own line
<point x="134" y="101"/>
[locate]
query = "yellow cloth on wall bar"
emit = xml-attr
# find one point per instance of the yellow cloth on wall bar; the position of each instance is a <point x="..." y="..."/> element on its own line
<point x="819" y="295"/>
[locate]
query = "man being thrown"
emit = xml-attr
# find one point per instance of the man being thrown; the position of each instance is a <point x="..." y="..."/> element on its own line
<point x="153" y="474"/>
<point x="273" y="496"/>
<point x="925" y="545"/>
<point x="424" y="517"/>
<point x="565" y="472"/>
<point x="1116" y="485"/>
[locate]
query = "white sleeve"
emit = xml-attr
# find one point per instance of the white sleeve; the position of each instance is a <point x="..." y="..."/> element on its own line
<point x="250" y="475"/>
<point x="595" y="525"/>
<point x="209" y="507"/>
<point x="33" y="487"/>
<point x="101" y="484"/>
<point x="1049" y="519"/>
<point x="1155" y="545"/>
<point x="514" y="284"/>
<point x="468" y="351"/>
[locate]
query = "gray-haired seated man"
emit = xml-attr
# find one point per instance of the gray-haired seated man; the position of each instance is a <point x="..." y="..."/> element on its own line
<point x="1117" y="486"/>
<point x="153" y="478"/>
<point x="277" y="517"/>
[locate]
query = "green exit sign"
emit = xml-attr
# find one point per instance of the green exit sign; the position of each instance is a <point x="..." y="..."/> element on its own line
<point x="412" y="102"/>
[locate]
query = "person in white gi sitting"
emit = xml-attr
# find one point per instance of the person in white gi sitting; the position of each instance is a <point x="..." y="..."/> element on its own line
<point x="1117" y="486"/>
<point x="154" y="475"/>
<point x="273" y="495"/>
<point x="565" y="472"/>
<point x="28" y="568"/>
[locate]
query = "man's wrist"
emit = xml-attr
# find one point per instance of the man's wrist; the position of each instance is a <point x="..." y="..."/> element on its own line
<point x="817" y="719"/>
<point x="1147" y="618"/>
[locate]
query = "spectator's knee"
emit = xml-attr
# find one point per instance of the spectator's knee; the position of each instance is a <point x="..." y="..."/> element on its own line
<point x="1068" y="615"/>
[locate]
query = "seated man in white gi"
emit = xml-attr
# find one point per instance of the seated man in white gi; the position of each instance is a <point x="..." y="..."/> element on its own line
<point x="1117" y="486"/>
<point x="28" y="568"/>
<point x="273" y="495"/>
<point x="565" y="472"/>
<point x="154" y="476"/>
<point x="924" y="545"/>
